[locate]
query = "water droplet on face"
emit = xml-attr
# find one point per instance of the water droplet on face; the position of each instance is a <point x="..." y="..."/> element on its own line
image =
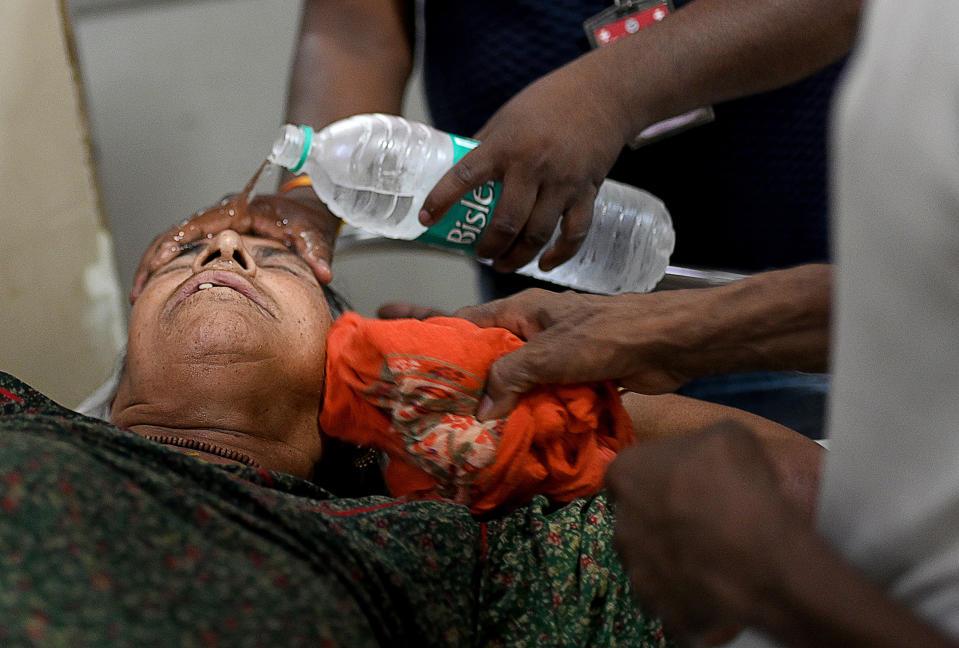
<point x="228" y="207"/>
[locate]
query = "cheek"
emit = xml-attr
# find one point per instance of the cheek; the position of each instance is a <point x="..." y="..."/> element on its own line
<point x="308" y="324"/>
<point x="143" y="324"/>
<point x="304" y="352"/>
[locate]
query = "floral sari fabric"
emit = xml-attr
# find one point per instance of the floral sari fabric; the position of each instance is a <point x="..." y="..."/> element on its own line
<point x="109" y="539"/>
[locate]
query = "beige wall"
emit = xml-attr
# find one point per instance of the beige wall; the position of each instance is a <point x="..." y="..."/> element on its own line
<point x="60" y="305"/>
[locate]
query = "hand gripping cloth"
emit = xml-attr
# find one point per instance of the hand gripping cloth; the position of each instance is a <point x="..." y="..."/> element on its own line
<point x="410" y="388"/>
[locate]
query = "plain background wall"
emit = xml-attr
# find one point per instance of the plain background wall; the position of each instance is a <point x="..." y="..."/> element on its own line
<point x="60" y="307"/>
<point x="185" y="99"/>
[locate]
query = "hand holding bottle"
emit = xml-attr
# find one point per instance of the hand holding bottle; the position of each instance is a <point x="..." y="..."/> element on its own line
<point x="551" y="146"/>
<point x="296" y="217"/>
<point x="374" y="171"/>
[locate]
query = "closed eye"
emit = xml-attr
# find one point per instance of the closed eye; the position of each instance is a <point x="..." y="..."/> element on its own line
<point x="282" y="259"/>
<point x="182" y="259"/>
<point x="279" y="266"/>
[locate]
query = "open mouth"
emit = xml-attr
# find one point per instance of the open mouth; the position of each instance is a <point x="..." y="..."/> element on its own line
<point x="222" y="279"/>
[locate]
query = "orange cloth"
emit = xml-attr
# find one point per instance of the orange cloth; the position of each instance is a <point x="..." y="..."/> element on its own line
<point x="410" y="388"/>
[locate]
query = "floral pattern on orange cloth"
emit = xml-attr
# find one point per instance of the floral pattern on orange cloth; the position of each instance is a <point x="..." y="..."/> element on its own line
<point x="410" y="388"/>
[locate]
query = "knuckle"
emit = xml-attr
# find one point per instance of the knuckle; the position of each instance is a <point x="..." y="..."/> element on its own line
<point x="574" y="236"/>
<point x="465" y="172"/>
<point x="505" y="226"/>
<point x="513" y="373"/>
<point x="537" y="238"/>
<point x="467" y="312"/>
<point x="541" y="162"/>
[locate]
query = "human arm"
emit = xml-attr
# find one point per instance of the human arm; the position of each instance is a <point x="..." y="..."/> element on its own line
<point x="655" y="342"/>
<point x="351" y="57"/>
<point x="714" y="538"/>
<point x="554" y="142"/>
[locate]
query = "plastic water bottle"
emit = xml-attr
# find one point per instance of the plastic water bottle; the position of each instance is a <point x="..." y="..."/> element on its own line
<point x="374" y="172"/>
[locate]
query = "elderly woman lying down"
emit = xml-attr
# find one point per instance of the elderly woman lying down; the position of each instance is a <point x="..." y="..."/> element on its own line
<point x="193" y="519"/>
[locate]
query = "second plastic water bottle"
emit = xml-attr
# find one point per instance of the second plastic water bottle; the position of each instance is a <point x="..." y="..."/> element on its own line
<point x="374" y="172"/>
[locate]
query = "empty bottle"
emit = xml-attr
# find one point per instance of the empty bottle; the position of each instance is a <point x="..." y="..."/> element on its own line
<point x="374" y="172"/>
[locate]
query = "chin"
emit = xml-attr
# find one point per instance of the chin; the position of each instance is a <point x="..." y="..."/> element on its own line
<point x="222" y="333"/>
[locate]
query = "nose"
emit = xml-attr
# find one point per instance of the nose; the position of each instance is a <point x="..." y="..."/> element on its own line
<point x="226" y="251"/>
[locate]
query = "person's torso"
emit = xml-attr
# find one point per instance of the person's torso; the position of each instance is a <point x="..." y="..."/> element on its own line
<point x="891" y="484"/>
<point x="746" y="192"/>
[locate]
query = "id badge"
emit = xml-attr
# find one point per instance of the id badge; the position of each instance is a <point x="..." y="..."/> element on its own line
<point x="628" y="17"/>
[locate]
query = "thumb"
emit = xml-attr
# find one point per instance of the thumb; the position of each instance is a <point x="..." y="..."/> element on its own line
<point x="404" y="310"/>
<point x="509" y="378"/>
<point x="483" y="315"/>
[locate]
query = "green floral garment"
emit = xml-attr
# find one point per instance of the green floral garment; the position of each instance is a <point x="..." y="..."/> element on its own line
<point x="108" y="539"/>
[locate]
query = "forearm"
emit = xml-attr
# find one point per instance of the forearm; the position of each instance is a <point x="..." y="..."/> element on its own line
<point x="826" y="602"/>
<point x="715" y="50"/>
<point x="351" y="57"/>
<point x="776" y="320"/>
<point x="796" y="460"/>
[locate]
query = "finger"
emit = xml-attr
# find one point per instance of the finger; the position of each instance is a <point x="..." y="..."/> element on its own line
<point x="537" y="232"/>
<point x="522" y="314"/>
<point x="310" y="232"/>
<point x="509" y="218"/>
<point x="572" y="232"/>
<point x="314" y="243"/>
<point x="406" y="310"/>
<point x="482" y="133"/>
<point x="514" y="374"/>
<point x="315" y="248"/>
<point x="205" y="223"/>
<point x="474" y="169"/>
<point x="483" y="315"/>
<point x="168" y="245"/>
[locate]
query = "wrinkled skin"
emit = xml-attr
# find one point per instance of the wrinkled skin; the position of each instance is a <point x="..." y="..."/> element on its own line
<point x="653" y="343"/>
<point x="550" y="168"/>
<point x="602" y="338"/>
<point x="297" y="218"/>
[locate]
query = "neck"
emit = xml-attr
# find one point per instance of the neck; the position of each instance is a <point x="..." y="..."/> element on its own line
<point x="247" y="421"/>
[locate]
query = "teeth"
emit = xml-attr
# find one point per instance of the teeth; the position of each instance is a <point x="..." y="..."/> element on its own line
<point x="204" y="286"/>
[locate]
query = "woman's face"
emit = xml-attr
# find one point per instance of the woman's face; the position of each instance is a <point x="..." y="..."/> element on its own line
<point x="234" y="301"/>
